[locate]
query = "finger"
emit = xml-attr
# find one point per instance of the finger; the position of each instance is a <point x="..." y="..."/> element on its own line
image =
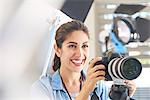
<point x="96" y="74"/>
<point x="93" y="61"/>
<point x="96" y="68"/>
<point x="99" y="67"/>
<point x="99" y="78"/>
<point x="129" y="83"/>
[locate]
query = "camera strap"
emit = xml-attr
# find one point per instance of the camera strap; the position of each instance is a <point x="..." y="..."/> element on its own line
<point x="82" y="79"/>
<point x="94" y="96"/>
<point x="68" y="91"/>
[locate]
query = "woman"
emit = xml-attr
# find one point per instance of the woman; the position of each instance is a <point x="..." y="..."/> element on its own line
<point x="69" y="81"/>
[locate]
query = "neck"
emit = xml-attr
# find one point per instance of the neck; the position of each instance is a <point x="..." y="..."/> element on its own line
<point x="70" y="78"/>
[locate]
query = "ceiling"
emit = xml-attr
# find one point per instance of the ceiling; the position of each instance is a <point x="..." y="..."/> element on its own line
<point x="104" y="11"/>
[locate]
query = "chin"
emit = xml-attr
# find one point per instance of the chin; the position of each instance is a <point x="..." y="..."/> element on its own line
<point x="78" y="70"/>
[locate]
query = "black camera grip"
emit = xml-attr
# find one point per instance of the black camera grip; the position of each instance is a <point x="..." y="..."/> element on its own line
<point x="104" y="62"/>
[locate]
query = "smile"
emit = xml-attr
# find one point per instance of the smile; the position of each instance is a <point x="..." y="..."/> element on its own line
<point x="77" y="62"/>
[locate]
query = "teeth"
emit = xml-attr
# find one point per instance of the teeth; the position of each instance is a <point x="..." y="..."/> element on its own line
<point x="77" y="61"/>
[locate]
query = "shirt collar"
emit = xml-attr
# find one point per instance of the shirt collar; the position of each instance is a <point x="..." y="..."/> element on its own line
<point x="57" y="81"/>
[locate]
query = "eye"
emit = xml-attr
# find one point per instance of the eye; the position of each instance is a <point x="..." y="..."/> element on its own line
<point x="72" y="46"/>
<point x="85" y="46"/>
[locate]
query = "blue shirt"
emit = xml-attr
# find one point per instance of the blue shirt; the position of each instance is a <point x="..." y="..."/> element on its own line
<point x="50" y="87"/>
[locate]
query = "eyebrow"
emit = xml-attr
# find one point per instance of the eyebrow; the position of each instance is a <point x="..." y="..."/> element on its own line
<point x="77" y="43"/>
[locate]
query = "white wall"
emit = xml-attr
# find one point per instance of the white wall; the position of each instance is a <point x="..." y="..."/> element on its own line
<point x="90" y="22"/>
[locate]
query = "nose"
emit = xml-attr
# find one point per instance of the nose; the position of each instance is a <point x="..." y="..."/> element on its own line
<point x="79" y="52"/>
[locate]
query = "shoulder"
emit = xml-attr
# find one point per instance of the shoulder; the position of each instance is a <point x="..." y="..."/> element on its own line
<point x="47" y="87"/>
<point x="42" y="87"/>
<point x="45" y="80"/>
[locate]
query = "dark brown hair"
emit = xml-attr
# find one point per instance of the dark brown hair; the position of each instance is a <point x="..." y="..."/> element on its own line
<point x="63" y="32"/>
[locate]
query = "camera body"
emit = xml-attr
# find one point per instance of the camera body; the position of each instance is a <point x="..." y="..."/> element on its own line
<point x="120" y="67"/>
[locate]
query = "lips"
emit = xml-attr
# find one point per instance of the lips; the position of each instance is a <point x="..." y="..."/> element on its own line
<point x="77" y="62"/>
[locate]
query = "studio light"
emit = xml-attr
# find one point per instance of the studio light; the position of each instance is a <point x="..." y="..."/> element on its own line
<point x="125" y="30"/>
<point x="128" y="29"/>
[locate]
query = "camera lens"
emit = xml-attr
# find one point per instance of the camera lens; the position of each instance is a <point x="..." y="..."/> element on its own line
<point x="127" y="68"/>
<point x="131" y="68"/>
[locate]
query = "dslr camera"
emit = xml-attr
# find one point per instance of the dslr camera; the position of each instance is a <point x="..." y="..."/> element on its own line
<point x="120" y="67"/>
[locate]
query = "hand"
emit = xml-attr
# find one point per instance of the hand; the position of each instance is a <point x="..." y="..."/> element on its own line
<point x="131" y="86"/>
<point x="94" y="74"/>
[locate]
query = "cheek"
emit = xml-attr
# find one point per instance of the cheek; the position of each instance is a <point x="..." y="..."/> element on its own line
<point x="87" y="52"/>
<point x="66" y="55"/>
<point x="65" y="58"/>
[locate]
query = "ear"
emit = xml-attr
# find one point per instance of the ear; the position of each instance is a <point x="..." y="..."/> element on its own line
<point x="57" y="50"/>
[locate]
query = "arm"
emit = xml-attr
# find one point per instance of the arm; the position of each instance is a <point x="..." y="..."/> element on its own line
<point x="94" y="74"/>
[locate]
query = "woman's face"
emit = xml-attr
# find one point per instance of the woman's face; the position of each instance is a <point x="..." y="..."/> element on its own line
<point x="74" y="51"/>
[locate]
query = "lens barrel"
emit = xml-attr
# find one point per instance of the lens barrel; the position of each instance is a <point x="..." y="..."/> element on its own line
<point x="127" y="68"/>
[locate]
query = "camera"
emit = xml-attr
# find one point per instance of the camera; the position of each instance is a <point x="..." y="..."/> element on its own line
<point x="120" y="67"/>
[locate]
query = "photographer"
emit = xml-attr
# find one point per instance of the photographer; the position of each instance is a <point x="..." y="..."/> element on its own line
<point x="69" y="81"/>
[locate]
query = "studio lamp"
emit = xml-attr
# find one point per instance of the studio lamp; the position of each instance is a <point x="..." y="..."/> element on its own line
<point x="125" y="30"/>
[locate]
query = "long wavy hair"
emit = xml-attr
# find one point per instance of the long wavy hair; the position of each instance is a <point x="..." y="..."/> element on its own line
<point x="63" y="32"/>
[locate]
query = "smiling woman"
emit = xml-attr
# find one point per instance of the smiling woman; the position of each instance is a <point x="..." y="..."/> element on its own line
<point x="69" y="81"/>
